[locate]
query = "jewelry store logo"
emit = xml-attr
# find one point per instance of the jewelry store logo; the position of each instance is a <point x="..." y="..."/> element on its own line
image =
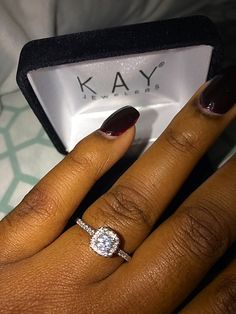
<point x="120" y="87"/>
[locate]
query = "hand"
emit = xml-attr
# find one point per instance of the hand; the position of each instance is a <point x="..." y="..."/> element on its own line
<point x="46" y="270"/>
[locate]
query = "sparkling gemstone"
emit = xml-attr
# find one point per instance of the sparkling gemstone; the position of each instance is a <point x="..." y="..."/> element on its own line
<point x="105" y="242"/>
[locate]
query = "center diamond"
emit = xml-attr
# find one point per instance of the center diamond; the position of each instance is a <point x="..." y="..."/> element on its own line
<point x="105" y="242"/>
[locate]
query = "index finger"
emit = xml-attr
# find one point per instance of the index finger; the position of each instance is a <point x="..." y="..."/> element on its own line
<point x="44" y="212"/>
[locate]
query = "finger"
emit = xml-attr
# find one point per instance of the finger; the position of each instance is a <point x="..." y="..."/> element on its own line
<point x="219" y="297"/>
<point x="134" y="203"/>
<point x="176" y="256"/>
<point x="43" y="213"/>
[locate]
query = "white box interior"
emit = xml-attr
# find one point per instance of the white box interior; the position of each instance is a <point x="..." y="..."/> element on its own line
<point x="78" y="97"/>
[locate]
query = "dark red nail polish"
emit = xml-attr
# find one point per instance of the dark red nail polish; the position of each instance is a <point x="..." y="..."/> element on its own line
<point x="220" y="95"/>
<point x="120" y="121"/>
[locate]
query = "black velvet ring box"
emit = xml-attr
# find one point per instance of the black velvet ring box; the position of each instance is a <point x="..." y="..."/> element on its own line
<point x="74" y="82"/>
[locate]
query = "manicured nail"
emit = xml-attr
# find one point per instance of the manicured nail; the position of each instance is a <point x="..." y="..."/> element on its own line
<point x="220" y="95"/>
<point x="120" y="121"/>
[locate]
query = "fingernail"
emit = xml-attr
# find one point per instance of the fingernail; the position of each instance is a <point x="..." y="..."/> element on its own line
<point x="220" y="95"/>
<point x="120" y="121"/>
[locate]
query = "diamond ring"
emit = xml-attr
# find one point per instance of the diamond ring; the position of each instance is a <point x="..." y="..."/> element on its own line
<point x="104" y="241"/>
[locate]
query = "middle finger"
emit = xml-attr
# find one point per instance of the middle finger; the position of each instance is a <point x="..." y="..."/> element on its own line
<point x="172" y="261"/>
<point x="137" y="199"/>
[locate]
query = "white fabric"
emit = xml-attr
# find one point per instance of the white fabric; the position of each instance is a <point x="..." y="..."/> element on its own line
<point x="24" y="20"/>
<point x="21" y="21"/>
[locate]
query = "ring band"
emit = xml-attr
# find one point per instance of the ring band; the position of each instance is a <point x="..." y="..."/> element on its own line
<point x="104" y="241"/>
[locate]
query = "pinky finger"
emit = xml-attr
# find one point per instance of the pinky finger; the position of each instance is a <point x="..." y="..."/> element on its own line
<point x="219" y="297"/>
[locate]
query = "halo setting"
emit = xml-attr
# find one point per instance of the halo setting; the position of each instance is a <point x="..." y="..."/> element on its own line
<point x="105" y="242"/>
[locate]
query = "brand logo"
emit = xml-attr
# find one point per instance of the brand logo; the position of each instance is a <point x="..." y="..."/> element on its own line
<point x="119" y="86"/>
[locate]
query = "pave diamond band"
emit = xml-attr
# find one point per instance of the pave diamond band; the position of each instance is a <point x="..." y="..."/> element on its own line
<point x="104" y="241"/>
<point x="84" y="226"/>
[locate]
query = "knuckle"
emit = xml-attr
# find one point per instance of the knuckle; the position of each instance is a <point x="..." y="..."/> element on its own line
<point x="88" y="162"/>
<point x="202" y="231"/>
<point x="39" y="204"/>
<point x="80" y="161"/>
<point x="124" y="204"/>
<point x="225" y="297"/>
<point x="185" y="141"/>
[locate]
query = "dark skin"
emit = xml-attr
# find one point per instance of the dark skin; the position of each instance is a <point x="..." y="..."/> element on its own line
<point x="46" y="270"/>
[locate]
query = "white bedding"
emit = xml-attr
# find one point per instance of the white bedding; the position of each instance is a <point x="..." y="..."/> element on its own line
<point x="23" y="20"/>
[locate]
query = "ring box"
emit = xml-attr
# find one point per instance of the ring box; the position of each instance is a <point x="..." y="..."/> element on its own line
<point x="74" y="82"/>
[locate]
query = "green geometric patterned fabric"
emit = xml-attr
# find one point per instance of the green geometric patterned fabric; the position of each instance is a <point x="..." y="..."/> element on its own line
<point x="26" y="152"/>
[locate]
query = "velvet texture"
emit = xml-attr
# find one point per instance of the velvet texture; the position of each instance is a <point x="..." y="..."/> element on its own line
<point x="124" y="40"/>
